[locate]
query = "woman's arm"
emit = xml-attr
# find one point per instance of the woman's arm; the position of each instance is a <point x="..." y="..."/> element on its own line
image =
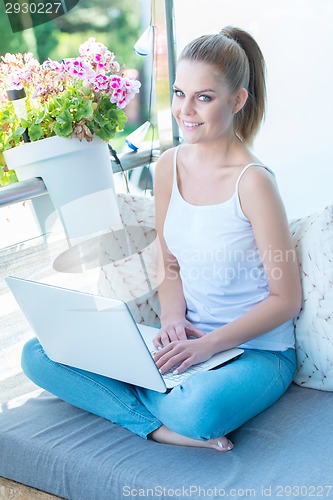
<point x="174" y="326"/>
<point x="262" y="204"/>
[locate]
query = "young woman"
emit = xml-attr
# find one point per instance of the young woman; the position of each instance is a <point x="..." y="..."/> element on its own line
<point x="229" y="271"/>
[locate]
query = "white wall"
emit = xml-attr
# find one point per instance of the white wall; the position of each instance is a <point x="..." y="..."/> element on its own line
<point x="296" y="37"/>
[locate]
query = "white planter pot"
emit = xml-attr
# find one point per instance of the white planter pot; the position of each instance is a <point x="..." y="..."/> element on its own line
<point x="79" y="179"/>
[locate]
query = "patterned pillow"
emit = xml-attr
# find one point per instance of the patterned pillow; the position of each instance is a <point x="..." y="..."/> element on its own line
<point x="313" y="237"/>
<point x="128" y="259"/>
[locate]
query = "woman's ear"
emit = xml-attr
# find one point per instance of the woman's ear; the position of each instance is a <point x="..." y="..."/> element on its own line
<point x="240" y="99"/>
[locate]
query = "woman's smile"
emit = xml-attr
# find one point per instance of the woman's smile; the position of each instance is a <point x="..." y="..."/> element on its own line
<point x="191" y="125"/>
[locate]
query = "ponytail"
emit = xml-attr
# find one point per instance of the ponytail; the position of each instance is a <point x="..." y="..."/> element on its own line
<point x="248" y="120"/>
<point x="237" y="55"/>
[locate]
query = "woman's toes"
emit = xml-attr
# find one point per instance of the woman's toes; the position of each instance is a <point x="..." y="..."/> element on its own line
<point x="222" y="444"/>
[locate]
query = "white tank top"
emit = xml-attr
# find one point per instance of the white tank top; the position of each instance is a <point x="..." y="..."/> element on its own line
<point x="220" y="266"/>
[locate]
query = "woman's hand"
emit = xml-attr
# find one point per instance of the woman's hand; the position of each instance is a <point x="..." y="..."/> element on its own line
<point x="176" y="330"/>
<point x="182" y="354"/>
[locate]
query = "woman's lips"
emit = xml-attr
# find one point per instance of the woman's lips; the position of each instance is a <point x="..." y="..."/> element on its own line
<point x="191" y="124"/>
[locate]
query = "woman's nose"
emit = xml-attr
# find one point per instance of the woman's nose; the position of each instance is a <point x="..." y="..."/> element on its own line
<point x="187" y="107"/>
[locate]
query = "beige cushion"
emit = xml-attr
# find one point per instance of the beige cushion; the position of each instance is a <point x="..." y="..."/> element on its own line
<point x="313" y="237"/>
<point x="128" y="260"/>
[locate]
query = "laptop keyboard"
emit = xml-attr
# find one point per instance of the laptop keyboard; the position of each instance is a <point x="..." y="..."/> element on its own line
<point x="182" y="376"/>
<point x="179" y="378"/>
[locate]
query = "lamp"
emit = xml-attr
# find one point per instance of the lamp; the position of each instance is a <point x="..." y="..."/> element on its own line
<point x="143" y="46"/>
<point x="17" y="96"/>
<point x="136" y="138"/>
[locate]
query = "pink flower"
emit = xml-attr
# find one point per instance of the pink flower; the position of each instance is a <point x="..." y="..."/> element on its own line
<point x="100" y="58"/>
<point x="119" y="97"/>
<point x="78" y="68"/>
<point x="132" y="86"/>
<point x="100" y="62"/>
<point x="27" y="75"/>
<point x="40" y="90"/>
<point x="114" y="66"/>
<point x="9" y="58"/>
<point x="16" y="80"/>
<point x="116" y="82"/>
<point x="55" y="66"/>
<point x="88" y="47"/>
<point x="29" y="58"/>
<point x="101" y="82"/>
<point x="122" y="90"/>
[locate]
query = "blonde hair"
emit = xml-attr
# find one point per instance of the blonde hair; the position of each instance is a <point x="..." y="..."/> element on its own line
<point x="238" y="57"/>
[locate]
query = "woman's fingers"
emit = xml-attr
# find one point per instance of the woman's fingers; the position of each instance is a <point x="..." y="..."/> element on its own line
<point x="169" y="334"/>
<point x="168" y="361"/>
<point x="195" y="332"/>
<point x="181" y="355"/>
<point x="174" y="355"/>
<point x="160" y="353"/>
<point x="157" y="341"/>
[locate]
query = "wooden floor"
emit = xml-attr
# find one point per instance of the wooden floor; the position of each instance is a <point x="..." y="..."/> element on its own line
<point x="10" y="490"/>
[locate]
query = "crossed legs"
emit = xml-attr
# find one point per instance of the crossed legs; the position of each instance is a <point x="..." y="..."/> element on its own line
<point x="200" y="412"/>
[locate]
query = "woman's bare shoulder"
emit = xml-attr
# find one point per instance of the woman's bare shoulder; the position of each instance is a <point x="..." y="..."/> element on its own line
<point x="259" y="193"/>
<point x="166" y="159"/>
<point x="164" y="170"/>
<point x="257" y="178"/>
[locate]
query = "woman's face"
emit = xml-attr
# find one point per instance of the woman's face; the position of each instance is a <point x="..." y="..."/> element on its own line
<point x="202" y="103"/>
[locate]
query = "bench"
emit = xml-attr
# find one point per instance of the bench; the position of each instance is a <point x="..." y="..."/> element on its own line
<point x="48" y="447"/>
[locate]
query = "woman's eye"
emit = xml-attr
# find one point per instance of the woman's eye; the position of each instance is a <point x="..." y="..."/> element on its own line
<point x="178" y="93"/>
<point x="204" y="98"/>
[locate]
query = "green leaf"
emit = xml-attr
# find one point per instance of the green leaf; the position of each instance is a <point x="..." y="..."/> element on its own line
<point x="65" y="118"/>
<point x="63" y="129"/>
<point x="35" y="132"/>
<point x="12" y="176"/>
<point x="100" y="120"/>
<point x="7" y="177"/>
<point x="85" y="91"/>
<point x="19" y="131"/>
<point x="85" y="111"/>
<point x="121" y="118"/>
<point x="3" y="180"/>
<point x="106" y="134"/>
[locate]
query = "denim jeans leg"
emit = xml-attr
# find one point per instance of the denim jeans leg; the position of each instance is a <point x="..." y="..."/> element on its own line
<point x="207" y="405"/>
<point x="108" y="398"/>
<point x="211" y="404"/>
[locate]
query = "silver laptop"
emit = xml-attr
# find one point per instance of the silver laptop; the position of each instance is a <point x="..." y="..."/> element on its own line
<point x="98" y="334"/>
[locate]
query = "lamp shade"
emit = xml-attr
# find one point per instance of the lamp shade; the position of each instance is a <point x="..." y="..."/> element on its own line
<point x="143" y="47"/>
<point x="136" y="138"/>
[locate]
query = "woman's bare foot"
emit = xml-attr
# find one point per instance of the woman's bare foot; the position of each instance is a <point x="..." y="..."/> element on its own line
<point x="165" y="436"/>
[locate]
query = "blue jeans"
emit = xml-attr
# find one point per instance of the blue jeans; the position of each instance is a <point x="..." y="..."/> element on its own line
<point x="207" y="405"/>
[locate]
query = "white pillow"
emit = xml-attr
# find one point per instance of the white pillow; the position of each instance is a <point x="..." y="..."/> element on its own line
<point x="313" y="237"/>
<point x="128" y="260"/>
